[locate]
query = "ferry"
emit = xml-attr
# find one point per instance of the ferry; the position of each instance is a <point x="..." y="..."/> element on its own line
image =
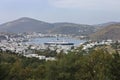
<point x="59" y="43"/>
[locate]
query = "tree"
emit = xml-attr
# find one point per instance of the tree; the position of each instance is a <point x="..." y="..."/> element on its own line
<point x="4" y="71"/>
<point x="94" y="66"/>
<point x="15" y="71"/>
<point x="115" y="67"/>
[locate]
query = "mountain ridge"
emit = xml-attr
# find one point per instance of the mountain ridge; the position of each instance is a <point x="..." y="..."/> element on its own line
<point x="26" y="24"/>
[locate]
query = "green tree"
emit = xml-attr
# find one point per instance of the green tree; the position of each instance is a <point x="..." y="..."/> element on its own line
<point x="94" y="66"/>
<point x="4" y="71"/>
<point x="115" y="67"/>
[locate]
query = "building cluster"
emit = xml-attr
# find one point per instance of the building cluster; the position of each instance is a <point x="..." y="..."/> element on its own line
<point x="19" y="44"/>
<point x="91" y="44"/>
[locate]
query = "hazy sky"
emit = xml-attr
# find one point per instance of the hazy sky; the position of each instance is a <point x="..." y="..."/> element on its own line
<point x="78" y="11"/>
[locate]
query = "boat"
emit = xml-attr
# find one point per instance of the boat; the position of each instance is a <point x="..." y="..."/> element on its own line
<point x="59" y="43"/>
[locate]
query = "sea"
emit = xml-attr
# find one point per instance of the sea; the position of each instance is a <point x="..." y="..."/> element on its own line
<point x="53" y="39"/>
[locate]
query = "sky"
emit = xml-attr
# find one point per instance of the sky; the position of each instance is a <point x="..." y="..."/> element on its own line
<point x="75" y="11"/>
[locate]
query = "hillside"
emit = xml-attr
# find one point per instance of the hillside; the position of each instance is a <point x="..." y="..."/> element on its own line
<point x="96" y="64"/>
<point x="109" y="32"/>
<point x="103" y="25"/>
<point x="26" y="24"/>
<point x="72" y="29"/>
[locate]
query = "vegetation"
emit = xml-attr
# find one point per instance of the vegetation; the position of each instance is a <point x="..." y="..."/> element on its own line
<point x="76" y="65"/>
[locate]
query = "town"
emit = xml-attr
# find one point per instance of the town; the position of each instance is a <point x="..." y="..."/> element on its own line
<point x="18" y="43"/>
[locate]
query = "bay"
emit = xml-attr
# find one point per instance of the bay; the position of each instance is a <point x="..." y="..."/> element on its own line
<point x="53" y="39"/>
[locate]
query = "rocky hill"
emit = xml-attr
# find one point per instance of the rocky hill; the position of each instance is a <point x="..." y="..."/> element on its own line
<point x="72" y="29"/>
<point x="26" y="24"/>
<point x="110" y="32"/>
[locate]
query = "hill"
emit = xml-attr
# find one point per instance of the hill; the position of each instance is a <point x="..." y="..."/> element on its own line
<point x="72" y="29"/>
<point x="109" y="32"/>
<point x="26" y="24"/>
<point x="102" y="25"/>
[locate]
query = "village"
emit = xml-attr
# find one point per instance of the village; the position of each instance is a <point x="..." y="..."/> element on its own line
<point x="19" y="45"/>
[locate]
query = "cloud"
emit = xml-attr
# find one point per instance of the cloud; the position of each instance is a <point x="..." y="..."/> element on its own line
<point x="86" y="4"/>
